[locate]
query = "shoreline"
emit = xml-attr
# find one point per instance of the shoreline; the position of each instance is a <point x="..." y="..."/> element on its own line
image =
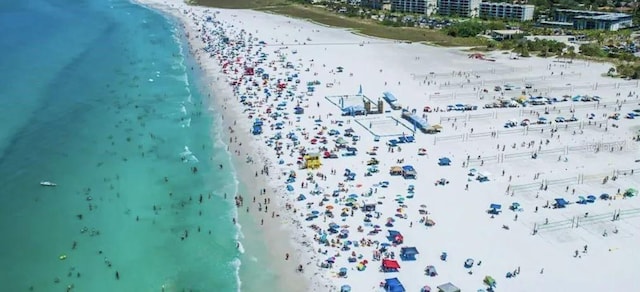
<point x="458" y="199"/>
<point x="288" y="279"/>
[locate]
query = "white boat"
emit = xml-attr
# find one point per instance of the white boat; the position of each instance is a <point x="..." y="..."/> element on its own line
<point x="47" y="184"/>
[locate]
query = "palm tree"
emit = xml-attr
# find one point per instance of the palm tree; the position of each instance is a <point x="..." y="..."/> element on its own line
<point x="599" y="38"/>
<point x="522" y="48"/>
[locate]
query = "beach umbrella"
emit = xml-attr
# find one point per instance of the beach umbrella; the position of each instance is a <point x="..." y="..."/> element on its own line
<point x="329" y="207"/>
<point x="331" y="260"/>
<point x="315" y="212"/>
<point x="344" y="231"/>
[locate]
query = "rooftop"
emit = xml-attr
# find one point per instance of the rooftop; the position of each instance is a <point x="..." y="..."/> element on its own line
<point x="597" y="15"/>
<point x="558" y="23"/>
<point x="507" y="31"/>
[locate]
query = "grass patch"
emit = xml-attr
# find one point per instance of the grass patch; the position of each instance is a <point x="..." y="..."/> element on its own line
<point x="363" y="26"/>
<point x="238" y="4"/>
<point x="373" y="28"/>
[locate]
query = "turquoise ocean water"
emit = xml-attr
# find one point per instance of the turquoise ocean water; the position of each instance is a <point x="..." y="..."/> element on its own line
<point x="99" y="97"/>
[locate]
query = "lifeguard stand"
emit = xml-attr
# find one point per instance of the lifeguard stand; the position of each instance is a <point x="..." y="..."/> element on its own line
<point x="312" y="161"/>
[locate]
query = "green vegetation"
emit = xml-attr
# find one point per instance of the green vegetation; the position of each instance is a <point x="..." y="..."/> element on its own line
<point x="372" y="28"/>
<point x="626" y="70"/>
<point x="238" y="4"/>
<point x="592" y="50"/>
<point x="473" y="27"/>
<point x="465" y="29"/>
<point x="389" y="30"/>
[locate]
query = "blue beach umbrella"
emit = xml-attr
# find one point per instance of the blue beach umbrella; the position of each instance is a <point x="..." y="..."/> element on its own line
<point x="331" y="260"/>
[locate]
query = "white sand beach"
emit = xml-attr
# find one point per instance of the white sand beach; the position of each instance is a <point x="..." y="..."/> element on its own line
<point x="577" y="143"/>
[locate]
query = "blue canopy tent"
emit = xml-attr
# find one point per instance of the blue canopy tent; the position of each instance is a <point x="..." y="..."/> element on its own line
<point x="561" y="203"/>
<point x="408" y="172"/>
<point x="406" y="139"/>
<point x="581" y="200"/>
<point x="345" y="288"/>
<point x="416" y="121"/>
<point x="389" y="97"/>
<point x="356" y="110"/>
<point x="395" y="236"/>
<point x="301" y="197"/>
<point x="257" y="130"/>
<point x="495" y="209"/>
<point x="393" y="285"/>
<point x="444" y="161"/>
<point x="342" y="272"/>
<point x="408" y="253"/>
